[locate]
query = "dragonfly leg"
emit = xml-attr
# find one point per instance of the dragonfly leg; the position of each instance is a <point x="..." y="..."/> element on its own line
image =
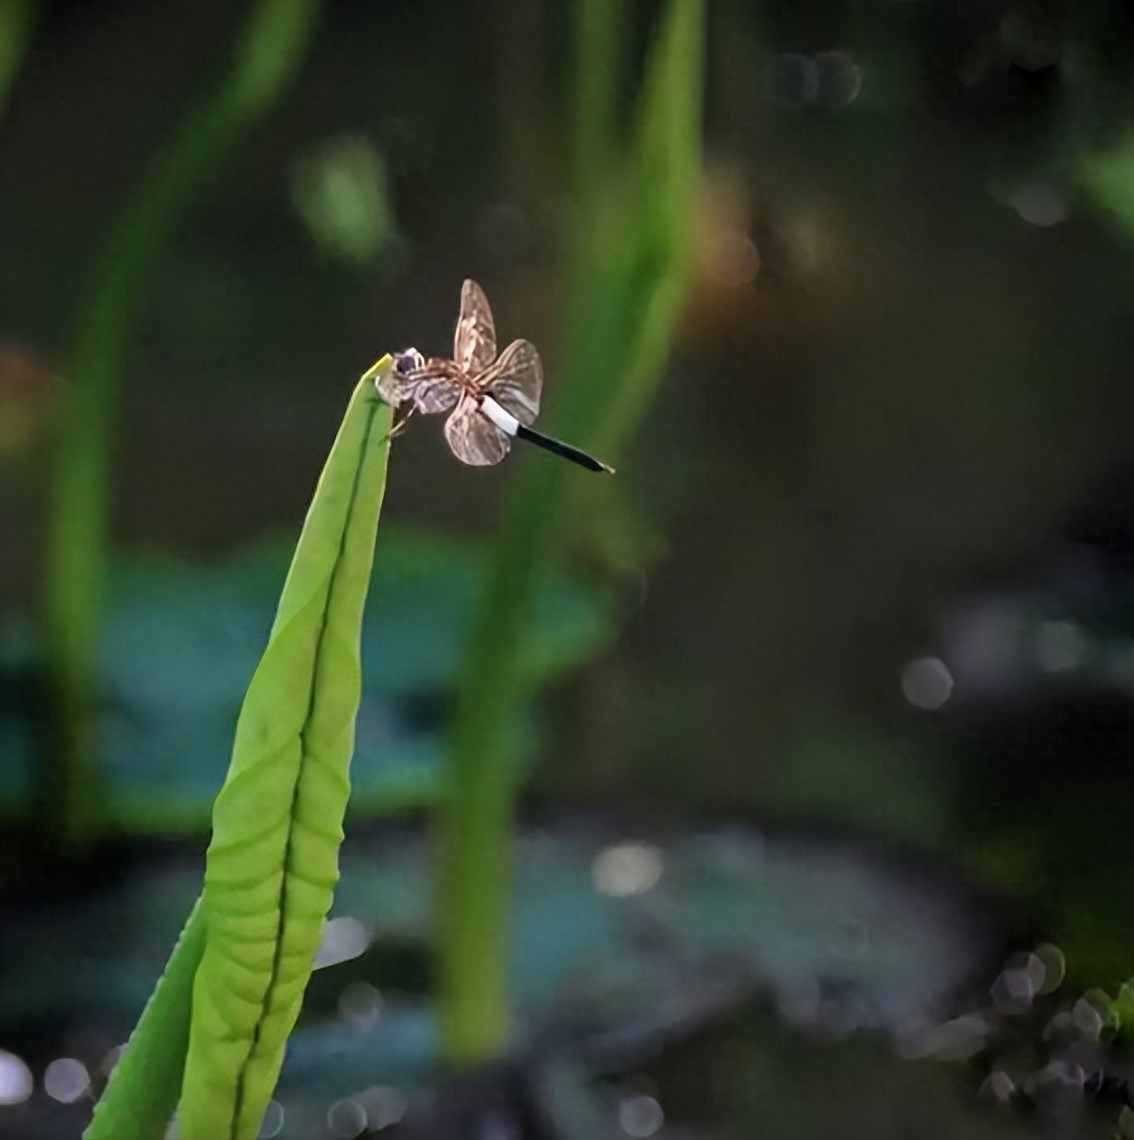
<point x="401" y="418"/>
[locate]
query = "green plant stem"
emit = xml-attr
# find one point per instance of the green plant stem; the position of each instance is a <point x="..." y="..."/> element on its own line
<point x="476" y="816"/>
<point x="599" y="35"/>
<point x="628" y="269"/>
<point x="269" y="53"/>
<point x="17" y="23"/>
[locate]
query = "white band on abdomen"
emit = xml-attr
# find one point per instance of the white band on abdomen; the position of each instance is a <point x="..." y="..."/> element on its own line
<point x="505" y="421"/>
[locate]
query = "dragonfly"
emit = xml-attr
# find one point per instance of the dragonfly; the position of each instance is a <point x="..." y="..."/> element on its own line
<point x="491" y="400"/>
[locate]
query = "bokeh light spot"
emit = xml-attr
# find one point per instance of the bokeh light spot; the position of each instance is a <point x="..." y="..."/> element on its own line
<point x="383" y="1105"/>
<point x="839" y="78"/>
<point x="346" y="1119"/>
<point x="1086" y="1019"/>
<point x="1040" y="205"/>
<point x="66" y="1080"/>
<point x="16" y="1081"/>
<point x="955" y="1040"/>
<point x="360" y="1005"/>
<point x="627" y="869"/>
<point x="1016" y="986"/>
<point x="997" y="1086"/>
<point x="927" y="683"/>
<point x="640" y="1115"/>
<point x="343" y="939"/>
<point x="273" y="1122"/>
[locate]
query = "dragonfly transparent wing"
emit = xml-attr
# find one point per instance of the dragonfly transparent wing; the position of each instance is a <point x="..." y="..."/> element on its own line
<point x="429" y="385"/>
<point x="473" y="438"/>
<point x="515" y="381"/>
<point x="435" y="392"/>
<point x="474" y="343"/>
<point x="429" y="388"/>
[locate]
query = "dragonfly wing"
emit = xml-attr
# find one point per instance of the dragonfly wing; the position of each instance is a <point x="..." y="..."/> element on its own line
<point x="435" y="394"/>
<point x="473" y="438"/>
<point x="431" y="389"/>
<point x="474" y="344"/>
<point x="515" y="381"/>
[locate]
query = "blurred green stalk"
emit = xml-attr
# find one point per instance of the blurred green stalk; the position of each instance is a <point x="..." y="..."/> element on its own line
<point x="267" y="56"/>
<point x="628" y="267"/>
<point x="17" y="22"/>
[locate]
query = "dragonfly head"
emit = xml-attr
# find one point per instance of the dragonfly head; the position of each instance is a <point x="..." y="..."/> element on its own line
<point x="408" y="360"/>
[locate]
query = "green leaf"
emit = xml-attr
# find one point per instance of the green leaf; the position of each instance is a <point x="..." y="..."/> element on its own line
<point x="144" y="1086"/>
<point x="278" y="822"/>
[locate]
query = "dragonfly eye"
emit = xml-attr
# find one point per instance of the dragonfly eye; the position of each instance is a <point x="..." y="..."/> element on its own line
<point x="408" y="360"/>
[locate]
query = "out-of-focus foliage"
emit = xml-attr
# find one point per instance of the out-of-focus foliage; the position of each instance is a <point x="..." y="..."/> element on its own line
<point x="629" y="257"/>
<point x="17" y="23"/>
<point x="267" y="55"/>
<point x="1109" y="178"/>
<point x="341" y="192"/>
<point x="180" y="643"/>
<point x="605" y="933"/>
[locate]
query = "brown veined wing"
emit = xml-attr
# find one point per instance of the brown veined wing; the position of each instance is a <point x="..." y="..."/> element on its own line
<point x="473" y="438"/>
<point x="431" y="387"/>
<point x="515" y="381"/>
<point x="474" y="343"/>
<point x="436" y="391"/>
